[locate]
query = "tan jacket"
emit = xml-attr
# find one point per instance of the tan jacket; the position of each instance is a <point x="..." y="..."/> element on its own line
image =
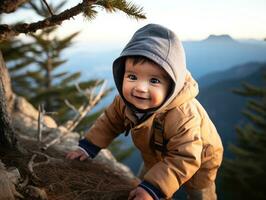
<point x="194" y="149"/>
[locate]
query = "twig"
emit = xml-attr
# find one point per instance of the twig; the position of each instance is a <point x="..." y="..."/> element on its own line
<point x="40" y="121"/>
<point x="85" y="108"/>
<point x="32" y="164"/>
<point x="24" y="183"/>
<point x="88" y="108"/>
<point x="81" y="113"/>
<point x="54" y="141"/>
<point x="71" y="106"/>
<point x="51" y="159"/>
<point x="49" y="9"/>
<point x="78" y="88"/>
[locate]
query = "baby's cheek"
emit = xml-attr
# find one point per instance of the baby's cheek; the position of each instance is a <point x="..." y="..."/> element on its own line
<point x="125" y="90"/>
<point x="157" y="99"/>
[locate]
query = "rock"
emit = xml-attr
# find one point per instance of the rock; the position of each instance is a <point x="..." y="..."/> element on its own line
<point x="25" y="117"/>
<point x="13" y="175"/>
<point x="107" y="158"/>
<point x="36" y="193"/>
<point x="7" y="186"/>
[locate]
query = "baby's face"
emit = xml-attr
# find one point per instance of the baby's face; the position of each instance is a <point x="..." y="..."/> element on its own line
<point x="145" y="85"/>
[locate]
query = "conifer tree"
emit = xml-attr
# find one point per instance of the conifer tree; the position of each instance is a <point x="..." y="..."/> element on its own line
<point x="244" y="175"/>
<point x="39" y="82"/>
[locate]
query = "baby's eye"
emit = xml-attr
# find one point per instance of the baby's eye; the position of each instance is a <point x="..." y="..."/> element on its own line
<point x="155" y="80"/>
<point x="132" y="77"/>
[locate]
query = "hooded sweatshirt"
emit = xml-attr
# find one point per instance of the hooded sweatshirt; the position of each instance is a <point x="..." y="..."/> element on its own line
<point x="193" y="149"/>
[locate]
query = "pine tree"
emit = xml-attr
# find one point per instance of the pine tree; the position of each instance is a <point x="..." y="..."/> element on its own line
<point x="244" y="175"/>
<point x="43" y="81"/>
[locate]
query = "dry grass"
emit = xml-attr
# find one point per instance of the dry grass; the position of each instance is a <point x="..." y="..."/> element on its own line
<point x="71" y="180"/>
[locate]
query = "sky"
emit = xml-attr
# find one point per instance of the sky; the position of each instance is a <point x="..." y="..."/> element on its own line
<point x="189" y="19"/>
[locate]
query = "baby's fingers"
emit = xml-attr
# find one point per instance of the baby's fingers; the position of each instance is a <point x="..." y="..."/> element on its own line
<point x="83" y="157"/>
<point x="72" y="155"/>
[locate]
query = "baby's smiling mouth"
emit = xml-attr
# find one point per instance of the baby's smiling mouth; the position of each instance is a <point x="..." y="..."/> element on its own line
<point x="140" y="98"/>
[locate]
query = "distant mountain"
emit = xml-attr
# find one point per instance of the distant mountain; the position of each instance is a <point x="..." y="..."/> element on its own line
<point x="215" y="53"/>
<point x="237" y="72"/>
<point x="223" y="106"/>
<point x="219" y="38"/>
<point x="218" y="53"/>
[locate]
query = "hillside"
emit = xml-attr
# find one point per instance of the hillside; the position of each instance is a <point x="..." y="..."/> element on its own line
<point x="223" y="106"/>
<point x="237" y="72"/>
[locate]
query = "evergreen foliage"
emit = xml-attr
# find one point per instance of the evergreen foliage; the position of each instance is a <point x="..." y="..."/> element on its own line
<point x="113" y="5"/>
<point x="245" y="173"/>
<point x="43" y="82"/>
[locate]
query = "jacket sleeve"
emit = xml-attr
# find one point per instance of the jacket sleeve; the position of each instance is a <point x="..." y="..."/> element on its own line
<point x="182" y="159"/>
<point x="108" y="125"/>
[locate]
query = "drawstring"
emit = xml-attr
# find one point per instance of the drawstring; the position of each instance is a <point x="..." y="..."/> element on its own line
<point x="127" y="131"/>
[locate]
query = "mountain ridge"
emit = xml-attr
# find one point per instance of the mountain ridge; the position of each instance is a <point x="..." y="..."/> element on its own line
<point x="238" y="71"/>
<point x="225" y="107"/>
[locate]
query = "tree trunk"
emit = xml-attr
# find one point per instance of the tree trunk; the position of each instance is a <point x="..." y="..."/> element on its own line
<point x="7" y="133"/>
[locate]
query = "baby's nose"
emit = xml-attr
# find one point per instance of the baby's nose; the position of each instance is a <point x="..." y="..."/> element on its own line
<point x="142" y="87"/>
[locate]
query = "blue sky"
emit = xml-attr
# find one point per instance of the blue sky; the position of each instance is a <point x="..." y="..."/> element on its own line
<point x="190" y="19"/>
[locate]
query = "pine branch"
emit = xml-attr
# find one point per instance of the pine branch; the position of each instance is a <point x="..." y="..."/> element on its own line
<point x="258" y="107"/>
<point x="250" y="90"/>
<point x="256" y="119"/>
<point x="7" y="32"/>
<point x="129" y="8"/>
<point x="65" y="42"/>
<point x="69" y="79"/>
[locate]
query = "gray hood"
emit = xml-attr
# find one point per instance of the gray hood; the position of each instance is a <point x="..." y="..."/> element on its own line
<point x="160" y="45"/>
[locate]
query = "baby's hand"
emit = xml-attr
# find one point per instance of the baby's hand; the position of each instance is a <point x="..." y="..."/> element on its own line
<point x="77" y="154"/>
<point x="139" y="194"/>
